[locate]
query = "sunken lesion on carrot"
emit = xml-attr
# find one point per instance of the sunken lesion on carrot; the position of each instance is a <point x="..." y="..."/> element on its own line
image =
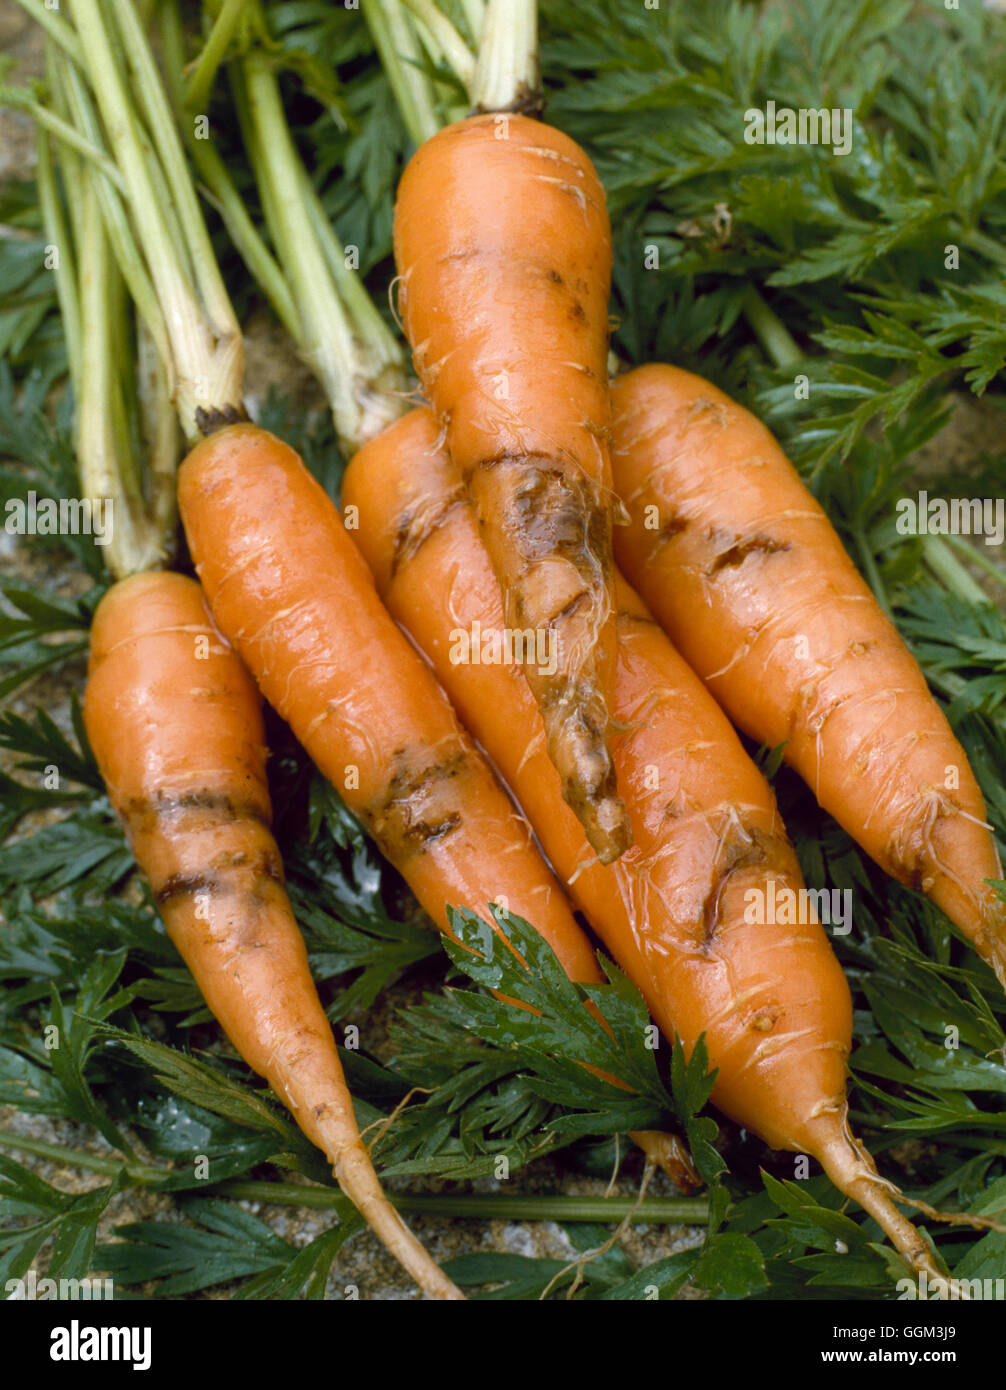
<point x="422" y="801"/>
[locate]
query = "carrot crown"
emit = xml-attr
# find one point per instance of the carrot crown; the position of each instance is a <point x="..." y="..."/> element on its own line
<point x="498" y="69"/>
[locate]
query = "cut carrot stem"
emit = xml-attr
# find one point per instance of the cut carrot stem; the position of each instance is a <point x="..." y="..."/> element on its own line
<point x="402" y="60"/>
<point x="205" y="342"/>
<point x="448" y="40"/>
<point x="222" y="31"/>
<point x="506" y="76"/>
<point x="350" y="365"/>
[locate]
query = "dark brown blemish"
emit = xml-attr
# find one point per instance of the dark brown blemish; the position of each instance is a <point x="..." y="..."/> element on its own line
<point x="671" y="528"/>
<point x="739" y="552"/>
<point x="413" y="530"/>
<point x="424" y="832"/>
<point x="744" y="847"/>
<point x="529" y="101"/>
<point x="269" y="868"/>
<point x="209" y="421"/>
<point x="272" y="867"/>
<point x="182" y="885"/>
<point x="504" y="458"/>
<point x="163" y="804"/>
<point x="406" y="817"/>
<point x="553" y="514"/>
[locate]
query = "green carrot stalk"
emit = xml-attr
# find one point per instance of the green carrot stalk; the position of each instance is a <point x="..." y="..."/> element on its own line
<point x="402" y="58"/>
<point x="354" y="355"/>
<point x="203" y="334"/>
<point x="111" y="399"/>
<point x="308" y="276"/>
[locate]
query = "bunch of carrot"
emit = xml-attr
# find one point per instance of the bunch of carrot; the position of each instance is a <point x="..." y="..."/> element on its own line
<point x="507" y="503"/>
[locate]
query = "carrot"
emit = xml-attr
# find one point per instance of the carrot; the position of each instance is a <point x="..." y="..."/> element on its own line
<point x="289" y="589"/>
<point x="503" y="249"/>
<point x="176" y="727"/>
<point x="770" y="998"/>
<point x="749" y="579"/>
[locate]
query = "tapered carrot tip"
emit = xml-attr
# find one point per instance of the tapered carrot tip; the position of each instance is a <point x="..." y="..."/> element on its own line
<point x="355" y="1174"/>
<point x="178" y="736"/>
<point x="851" y="1168"/>
<point x="668" y="1153"/>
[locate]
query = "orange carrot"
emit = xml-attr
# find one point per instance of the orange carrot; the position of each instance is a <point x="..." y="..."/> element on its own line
<point x="176" y="727"/>
<point x="289" y="589"/>
<point x="748" y="577"/>
<point x="676" y="909"/>
<point x="503" y="248"/>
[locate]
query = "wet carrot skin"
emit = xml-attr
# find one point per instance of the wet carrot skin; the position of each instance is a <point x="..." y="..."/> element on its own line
<point x="179" y="739"/>
<point x="175" y="724"/>
<point x="527" y="295"/>
<point x="503" y="247"/>
<point x="292" y="592"/>
<point x="771" y="999"/>
<point x="751" y="582"/>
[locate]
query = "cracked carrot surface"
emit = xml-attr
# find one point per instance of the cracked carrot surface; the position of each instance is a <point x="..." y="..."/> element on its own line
<point x="750" y="580"/>
<point x="290" y="590"/>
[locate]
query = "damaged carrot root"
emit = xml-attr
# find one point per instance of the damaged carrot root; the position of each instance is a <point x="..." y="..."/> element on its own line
<point x="176" y="726"/>
<point x="852" y="1169"/>
<point x="503" y="249"/>
<point x="746" y="574"/>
